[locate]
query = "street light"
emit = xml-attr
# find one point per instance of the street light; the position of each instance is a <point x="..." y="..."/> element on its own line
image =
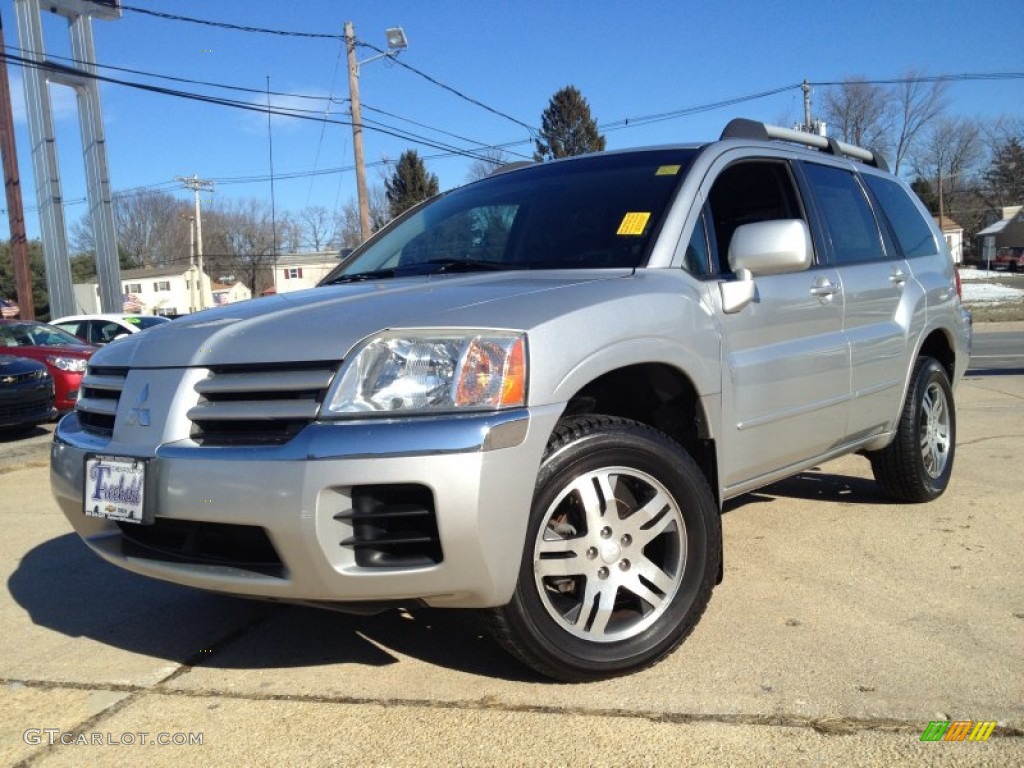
<point x="397" y="43"/>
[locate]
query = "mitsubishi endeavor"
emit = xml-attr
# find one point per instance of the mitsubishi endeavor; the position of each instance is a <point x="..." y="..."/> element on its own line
<point x="533" y="394"/>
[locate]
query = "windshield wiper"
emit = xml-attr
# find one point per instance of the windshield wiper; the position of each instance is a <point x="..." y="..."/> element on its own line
<point x="358" y="277"/>
<point x="444" y="266"/>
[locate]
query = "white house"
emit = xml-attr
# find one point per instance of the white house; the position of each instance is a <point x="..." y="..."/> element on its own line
<point x="229" y="293"/>
<point x="297" y="271"/>
<point x="161" y="291"/>
<point x="954" y="235"/>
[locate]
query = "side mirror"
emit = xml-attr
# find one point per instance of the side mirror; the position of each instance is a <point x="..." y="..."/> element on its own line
<point x="775" y="247"/>
<point x="771" y="247"/>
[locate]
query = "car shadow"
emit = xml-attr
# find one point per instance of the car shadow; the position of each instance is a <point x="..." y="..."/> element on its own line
<point x="814" y="485"/>
<point x="14" y="434"/>
<point x="66" y="588"/>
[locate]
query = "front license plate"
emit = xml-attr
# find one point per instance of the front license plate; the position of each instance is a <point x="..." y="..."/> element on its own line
<point x="115" y="488"/>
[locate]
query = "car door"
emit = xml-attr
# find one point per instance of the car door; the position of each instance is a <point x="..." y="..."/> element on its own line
<point x="880" y="297"/>
<point x="785" y="360"/>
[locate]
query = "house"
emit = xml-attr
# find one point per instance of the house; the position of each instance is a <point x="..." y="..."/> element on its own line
<point x="954" y="235"/>
<point x="160" y="291"/>
<point x="1006" y="233"/>
<point x="229" y="293"/>
<point x="297" y="271"/>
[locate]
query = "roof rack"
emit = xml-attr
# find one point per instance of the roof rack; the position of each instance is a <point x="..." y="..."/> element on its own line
<point x="741" y="128"/>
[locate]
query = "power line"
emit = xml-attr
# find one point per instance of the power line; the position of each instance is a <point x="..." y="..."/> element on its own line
<point x="295" y="112"/>
<point x="445" y="86"/>
<point x="226" y="25"/>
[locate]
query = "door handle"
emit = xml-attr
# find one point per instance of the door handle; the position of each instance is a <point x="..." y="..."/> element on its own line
<point x="897" y="276"/>
<point x="823" y="289"/>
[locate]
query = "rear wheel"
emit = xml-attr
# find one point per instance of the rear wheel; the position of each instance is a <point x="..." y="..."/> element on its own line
<point x="622" y="552"/>
<point x="918" y="463"/>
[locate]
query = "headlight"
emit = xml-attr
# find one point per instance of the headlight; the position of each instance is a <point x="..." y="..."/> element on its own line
<point x="73" y="364"/>
<point x="431" y="371"/>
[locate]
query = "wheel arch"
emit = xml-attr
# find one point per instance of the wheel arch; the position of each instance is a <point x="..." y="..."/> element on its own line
<point x="659" y="395"/>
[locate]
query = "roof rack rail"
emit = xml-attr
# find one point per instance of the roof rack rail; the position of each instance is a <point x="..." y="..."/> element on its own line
<point x="741" y="128"/>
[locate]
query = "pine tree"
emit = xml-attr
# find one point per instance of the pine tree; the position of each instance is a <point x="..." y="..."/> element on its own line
<point x="1005" y="174"/>
<point x="410" y="183"/>
<point x="567" y="128"/>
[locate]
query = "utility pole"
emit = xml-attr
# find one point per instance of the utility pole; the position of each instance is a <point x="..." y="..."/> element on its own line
<point x="12" y="184"/>
<point x="196" y="185"/>
<point x="806" y="88"/>
<point x="357" y="132"/>
<point x="396" y="44"/>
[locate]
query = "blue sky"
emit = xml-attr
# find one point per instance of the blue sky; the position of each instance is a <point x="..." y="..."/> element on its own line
<point x="630" y="60"/>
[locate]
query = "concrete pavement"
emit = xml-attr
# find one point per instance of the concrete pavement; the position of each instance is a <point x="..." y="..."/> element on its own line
<point x="844" y="625"/>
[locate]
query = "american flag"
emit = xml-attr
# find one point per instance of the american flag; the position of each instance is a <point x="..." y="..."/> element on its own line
<point x="131" y="303"/>
<point x="9" y="308"/>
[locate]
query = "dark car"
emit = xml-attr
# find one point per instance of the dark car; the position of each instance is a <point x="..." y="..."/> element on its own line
<point x="26" y="394"/>
<point x="64" y="355"/>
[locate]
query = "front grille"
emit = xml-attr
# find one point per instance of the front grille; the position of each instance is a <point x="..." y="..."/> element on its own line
<point x="393" y="526"/>
<point x="38" y="407"/>
<point x="239" y="546"/>
<point x="98" y="397"/>
<point x="258" y="404"/>
<point x="14" y="379"/>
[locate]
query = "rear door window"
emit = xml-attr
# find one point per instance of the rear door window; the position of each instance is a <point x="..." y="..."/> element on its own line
<point x="913" y="235"/>
<point x="849" y="222"/>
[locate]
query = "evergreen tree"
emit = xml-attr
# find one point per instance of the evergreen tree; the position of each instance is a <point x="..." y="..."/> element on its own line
<point x="1004" y="177"/>
<point x="926" y="192"/>
<point x="567" y="128"/>
<point x="410" y="183"/>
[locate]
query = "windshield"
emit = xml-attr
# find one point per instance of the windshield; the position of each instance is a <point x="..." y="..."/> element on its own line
<point x="599" y="211"/>
<point x="35" y="335"/>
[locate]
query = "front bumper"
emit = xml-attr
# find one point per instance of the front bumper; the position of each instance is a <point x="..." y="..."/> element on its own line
<point x="297" y="498"/>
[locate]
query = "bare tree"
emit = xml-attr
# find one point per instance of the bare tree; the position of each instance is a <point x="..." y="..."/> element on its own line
<point x="915" y="104"/>
<point x="316" y="226"/>
<point x="238" y="238"/>
<point x="489" y="162"/>
<point x="858" y="112"/>
<point x="949" y="155"/>
<point x="152" y="229"/>
<point x="346" y="227"/>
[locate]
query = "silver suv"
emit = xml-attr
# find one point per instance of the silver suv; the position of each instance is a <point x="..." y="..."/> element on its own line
<point x="533" y="394"/>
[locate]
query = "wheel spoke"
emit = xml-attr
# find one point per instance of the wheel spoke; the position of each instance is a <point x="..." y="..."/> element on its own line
<point x="596" y="607"/>
<point x="559" y="557"/>
<point x="650" y="520"/>
<point x="595" y="494"/>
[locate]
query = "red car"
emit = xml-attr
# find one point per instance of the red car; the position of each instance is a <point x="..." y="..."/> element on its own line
<point x="63" y="354"/>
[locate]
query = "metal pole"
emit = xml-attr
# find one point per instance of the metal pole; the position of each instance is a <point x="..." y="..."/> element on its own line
<point x="12" y="185"/>
<point x="806" y="88"/>
<point x="357" y="132"/>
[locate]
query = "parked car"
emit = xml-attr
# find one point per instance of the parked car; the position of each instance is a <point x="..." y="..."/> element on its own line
<point x="102" y="329"/>
<point x="533" y="395"/>
<point x="1010" y="259"/>
<point x="26" y="394"/>
<point x="64" y="355"/>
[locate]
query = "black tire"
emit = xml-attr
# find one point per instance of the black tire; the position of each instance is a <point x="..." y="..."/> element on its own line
<point x="605" y="590"/>
<point x="916" y="466"/>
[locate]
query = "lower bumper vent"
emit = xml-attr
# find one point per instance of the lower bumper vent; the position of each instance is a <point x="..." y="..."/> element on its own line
<point x="246" y="547"/>
<point x="393" y="526"/>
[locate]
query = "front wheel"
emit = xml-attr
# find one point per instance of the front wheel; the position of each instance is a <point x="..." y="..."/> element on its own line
<point x="622" y="552"/>
<point x="917" y="464"/>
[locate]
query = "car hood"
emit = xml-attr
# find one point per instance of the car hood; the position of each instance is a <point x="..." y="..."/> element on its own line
<point x="325" y="323"/>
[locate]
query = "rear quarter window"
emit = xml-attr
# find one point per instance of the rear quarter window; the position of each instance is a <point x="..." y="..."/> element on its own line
<point x="913" y="234"/>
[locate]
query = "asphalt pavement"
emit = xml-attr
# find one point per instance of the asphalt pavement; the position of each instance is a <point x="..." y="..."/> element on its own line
<point x="845" y="625"/>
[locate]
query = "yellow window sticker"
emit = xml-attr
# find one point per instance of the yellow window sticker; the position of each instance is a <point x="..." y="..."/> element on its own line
<point x="633" y="223"/>
<point x="668" y="170"/>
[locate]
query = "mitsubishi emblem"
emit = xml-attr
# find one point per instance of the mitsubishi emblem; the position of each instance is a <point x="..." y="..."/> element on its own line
<point x="139" y="415"/>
